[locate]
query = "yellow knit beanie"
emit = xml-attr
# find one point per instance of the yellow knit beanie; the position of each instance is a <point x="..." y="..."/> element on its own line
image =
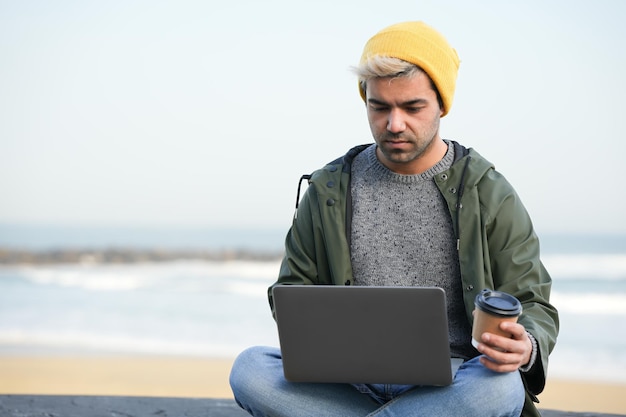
<point x="419" y="44"/>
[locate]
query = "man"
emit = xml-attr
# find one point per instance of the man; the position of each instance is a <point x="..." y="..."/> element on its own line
<point x="414" y="209"/>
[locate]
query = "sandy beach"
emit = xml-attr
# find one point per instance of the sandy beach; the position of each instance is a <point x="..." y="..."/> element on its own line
<point x="202" y="377"/>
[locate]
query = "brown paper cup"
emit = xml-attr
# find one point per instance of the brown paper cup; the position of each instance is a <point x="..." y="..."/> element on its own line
<point x="491" y="309"/>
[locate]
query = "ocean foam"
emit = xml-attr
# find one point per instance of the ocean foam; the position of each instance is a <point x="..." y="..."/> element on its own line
<point x="136" y="276"/>
<point x="590" y="303"/>
<point x="585" y="266"/>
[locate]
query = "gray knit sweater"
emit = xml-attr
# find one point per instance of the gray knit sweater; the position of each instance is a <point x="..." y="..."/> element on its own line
<point x="402" y="235"/>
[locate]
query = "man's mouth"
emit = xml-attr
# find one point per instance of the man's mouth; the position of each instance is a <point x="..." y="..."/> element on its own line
<point x="394" y="143"/>
<point x="394" y="139"/>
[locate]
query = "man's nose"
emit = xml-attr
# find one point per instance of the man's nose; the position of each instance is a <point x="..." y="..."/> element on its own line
<point x="395" y="122"/>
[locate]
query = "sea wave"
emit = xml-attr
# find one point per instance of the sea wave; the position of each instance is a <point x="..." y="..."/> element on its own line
<point x="253" y="277"/>
<point x="188" y="275"/>
<point x="589" y="303"/>
<point x="585" y="266"/>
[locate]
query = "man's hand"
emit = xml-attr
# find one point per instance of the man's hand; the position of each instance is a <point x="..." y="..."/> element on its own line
<point x="503" y="354"/>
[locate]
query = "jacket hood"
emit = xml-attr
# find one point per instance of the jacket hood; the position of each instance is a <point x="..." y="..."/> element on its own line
<point x="479" y="168"/>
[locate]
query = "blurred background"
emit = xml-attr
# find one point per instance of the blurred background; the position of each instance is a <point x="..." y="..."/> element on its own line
<point x="194" y="114"/>
<point x="150" y="153"/>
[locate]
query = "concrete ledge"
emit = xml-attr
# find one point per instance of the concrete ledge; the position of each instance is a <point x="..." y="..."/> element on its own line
<point x="557" y="413"/>
<point x="101" y="406"/>
<point x="96" y="406"/>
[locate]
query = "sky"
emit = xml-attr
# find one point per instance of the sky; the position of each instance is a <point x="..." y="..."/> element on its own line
<point x="205" y="114"/>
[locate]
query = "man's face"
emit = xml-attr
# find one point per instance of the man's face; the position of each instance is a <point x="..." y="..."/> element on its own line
<point x="404" y="115"/>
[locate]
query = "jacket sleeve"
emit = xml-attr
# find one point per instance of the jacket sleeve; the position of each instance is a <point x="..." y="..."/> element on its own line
<point x="299" y="264"/>
<point x="516" y="268"/>
<point x="316" y="247"/>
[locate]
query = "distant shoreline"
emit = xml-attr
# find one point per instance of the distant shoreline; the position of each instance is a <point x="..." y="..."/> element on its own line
<point x="9" y="256"/>
<point x="37" y="245"/>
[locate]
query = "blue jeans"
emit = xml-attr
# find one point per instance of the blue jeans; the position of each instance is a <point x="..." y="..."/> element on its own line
<point x="259" y="387"/>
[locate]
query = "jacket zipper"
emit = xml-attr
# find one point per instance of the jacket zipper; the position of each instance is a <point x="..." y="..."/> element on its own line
<point x="459" y="204"/>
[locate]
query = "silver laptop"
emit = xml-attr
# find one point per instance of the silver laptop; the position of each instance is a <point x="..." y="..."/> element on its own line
<point x="358" y="334"/>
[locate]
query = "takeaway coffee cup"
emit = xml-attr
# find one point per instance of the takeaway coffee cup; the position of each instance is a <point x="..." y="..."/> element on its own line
<point x="491" y="309"/>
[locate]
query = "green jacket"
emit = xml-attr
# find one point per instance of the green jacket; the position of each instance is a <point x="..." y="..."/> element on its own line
<point x="498" y="248"/>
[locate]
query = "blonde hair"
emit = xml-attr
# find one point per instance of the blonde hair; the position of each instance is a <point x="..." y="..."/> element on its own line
<point x="388" y="67"/>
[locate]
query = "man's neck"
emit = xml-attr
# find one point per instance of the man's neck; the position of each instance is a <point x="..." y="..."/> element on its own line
<point x="428" y="159"/>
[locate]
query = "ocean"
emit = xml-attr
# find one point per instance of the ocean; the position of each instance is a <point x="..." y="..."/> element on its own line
<point x="218" y="308"/>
